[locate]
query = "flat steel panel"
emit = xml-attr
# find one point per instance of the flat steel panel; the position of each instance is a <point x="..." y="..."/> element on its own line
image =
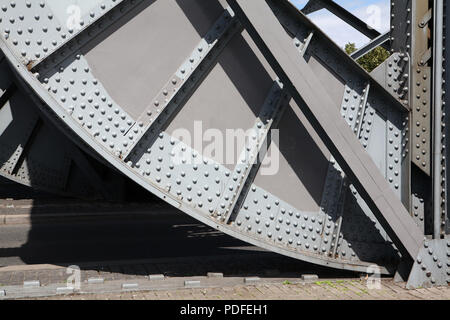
<point x="148" y="47"/>
<point x="303" y="163"/>
<point x="334" y="84"/>
<point x="233" y="105"/>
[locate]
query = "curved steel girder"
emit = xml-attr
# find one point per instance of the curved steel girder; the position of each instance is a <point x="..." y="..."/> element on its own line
<point x="59" y="109"/>
<point x="161" y="193"/>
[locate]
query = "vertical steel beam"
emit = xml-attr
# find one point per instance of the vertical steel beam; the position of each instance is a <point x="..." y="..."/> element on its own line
<point x="420" y="87"/>
<point x="437" y="117"/>
<point x="446" y="105"/>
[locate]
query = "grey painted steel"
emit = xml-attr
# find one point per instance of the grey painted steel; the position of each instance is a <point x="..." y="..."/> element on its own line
<point x="25" y="72"/>
<point x="446" y="106"/>
<point x="34" y="153"/>
<point x="51" y="30"/>
<point x="361" y="108"/>
<point x="391" y="74"/>
<point x="421" y="89"/>
<point x="409" y="79"/>
<point x="280" y="248"/>
<point x="401" y="36"/>
<point x="301" y="27"/>
<point x="344" y="214"/>
<point x="312" y="6"/>
<point x="305" y="43"/>
<point x="432" y="265"/>
<point x="438" y="27"/>
<point x="381" y="39"/>
<point x="191" y="71"/>
<point x="396" y="172"/>
<point x="409" y="37"/>
<point x="272" y="110"/>
<point x="268" y="34"/>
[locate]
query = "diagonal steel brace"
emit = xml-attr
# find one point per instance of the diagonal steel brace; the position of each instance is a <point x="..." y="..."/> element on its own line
<point x="343" y="14"/>
<point x="318" y="107"/>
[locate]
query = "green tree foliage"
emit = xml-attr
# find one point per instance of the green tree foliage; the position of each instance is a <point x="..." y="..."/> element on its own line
<point x="371" y="60"/>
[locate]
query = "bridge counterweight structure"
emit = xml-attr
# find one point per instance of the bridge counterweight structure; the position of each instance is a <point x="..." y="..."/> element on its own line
<point x="361" y="178"/>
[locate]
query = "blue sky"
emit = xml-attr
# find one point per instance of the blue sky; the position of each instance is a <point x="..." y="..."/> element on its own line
<point x="374" y="12"/>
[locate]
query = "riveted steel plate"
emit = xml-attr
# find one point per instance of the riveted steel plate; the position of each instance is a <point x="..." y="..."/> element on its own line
<point x="33" y="152"/>
<point x="410" y="38"/>
<point x="446" y="107"/>
<point x="432" y="265"/>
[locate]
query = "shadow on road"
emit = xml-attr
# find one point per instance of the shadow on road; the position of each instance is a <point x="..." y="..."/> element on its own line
<point x="166" y="241"/>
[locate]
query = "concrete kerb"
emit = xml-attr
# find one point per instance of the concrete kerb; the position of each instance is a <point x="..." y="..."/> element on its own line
<point x="18" y="292"/>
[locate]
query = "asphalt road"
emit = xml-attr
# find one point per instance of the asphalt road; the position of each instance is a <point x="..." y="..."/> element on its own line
<point x="166" y="237"/>
<point x="112" y="239"/>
